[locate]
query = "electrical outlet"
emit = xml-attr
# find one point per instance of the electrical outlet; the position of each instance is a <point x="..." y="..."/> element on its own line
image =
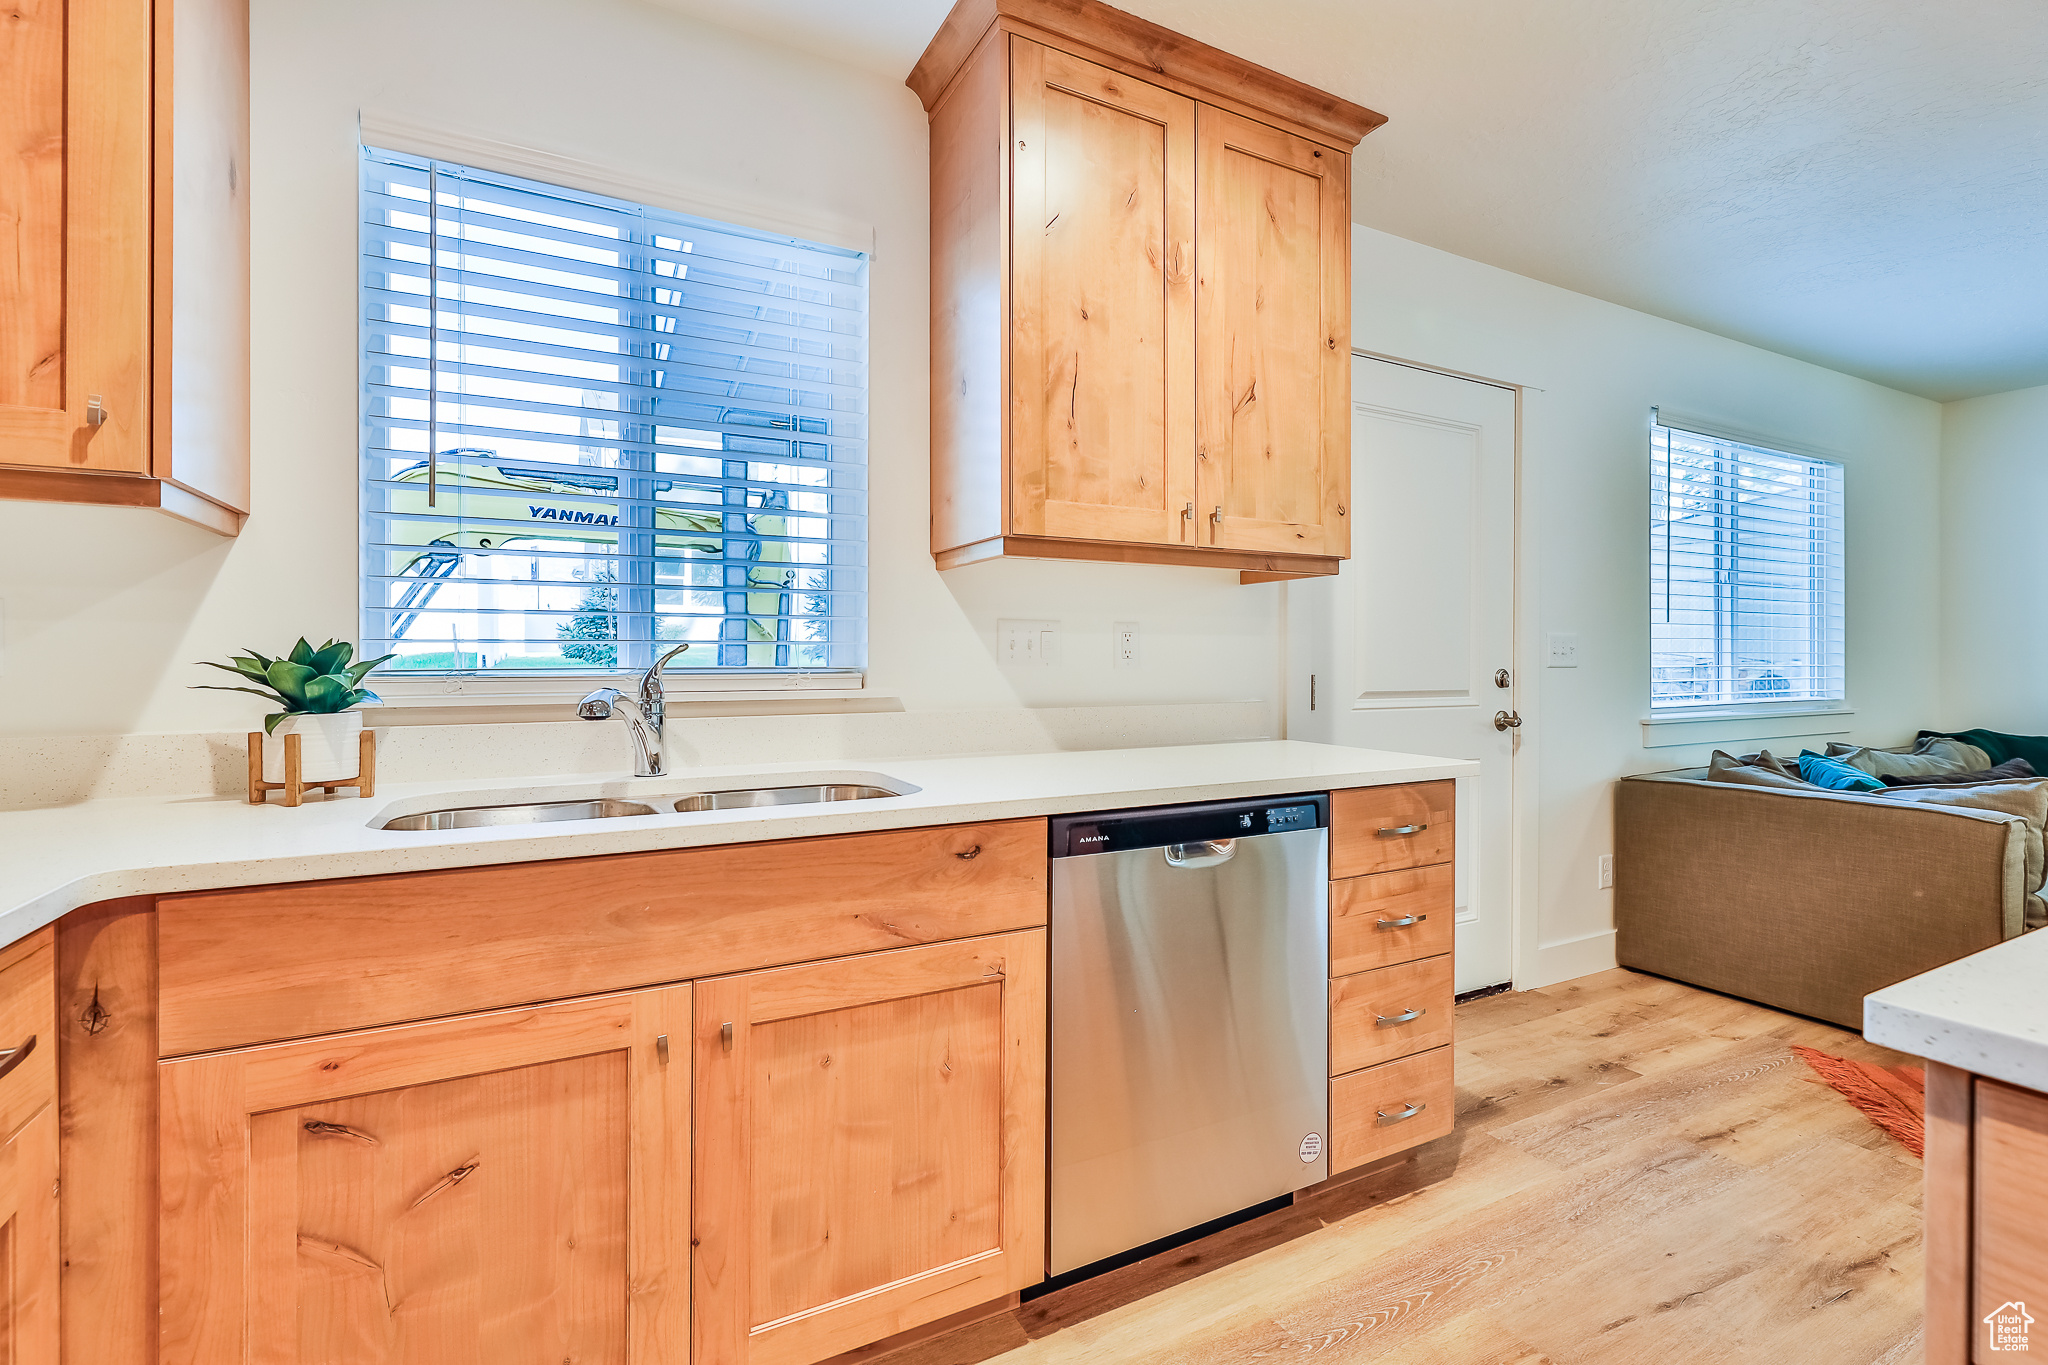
<point x="1564" y="649"/>
<point x="1125" y="634"/>
<point x="1026" y="644"/>
<point x="1606" y="872"/>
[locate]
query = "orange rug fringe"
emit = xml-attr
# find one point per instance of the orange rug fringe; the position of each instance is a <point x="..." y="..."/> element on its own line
<point x="1892" y="1097"/>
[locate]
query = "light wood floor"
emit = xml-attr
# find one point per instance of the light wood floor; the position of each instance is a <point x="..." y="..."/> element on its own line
<point x="1642" y="1172"/>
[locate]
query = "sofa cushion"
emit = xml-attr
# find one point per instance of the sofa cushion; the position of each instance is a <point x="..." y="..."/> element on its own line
<point x="1927" y="757"/>
<point x="1835" y="775"/>
<point x="2014" y="770"/>
<point x="1724" y="768"/>
<point x="2028" y="800"/>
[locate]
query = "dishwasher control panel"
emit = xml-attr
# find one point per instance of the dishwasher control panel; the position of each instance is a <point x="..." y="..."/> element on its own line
<point x="1120" y="831"/>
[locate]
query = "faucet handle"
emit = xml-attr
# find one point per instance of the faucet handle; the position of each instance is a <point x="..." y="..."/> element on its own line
<point x="598" y="705"/>
<point x="650" y="681"/>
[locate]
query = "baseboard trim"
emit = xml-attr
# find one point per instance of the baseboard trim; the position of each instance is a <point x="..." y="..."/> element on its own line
<point x="1567" y="959"/>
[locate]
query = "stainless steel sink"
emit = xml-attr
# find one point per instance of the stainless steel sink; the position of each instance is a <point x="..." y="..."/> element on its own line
<point x="484" y="817"/>
<point x="745" y="797"/>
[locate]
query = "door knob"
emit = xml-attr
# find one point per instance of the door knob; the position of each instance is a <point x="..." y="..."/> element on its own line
<point x="1501" y="678"/>
<point x="1507" y="720"/>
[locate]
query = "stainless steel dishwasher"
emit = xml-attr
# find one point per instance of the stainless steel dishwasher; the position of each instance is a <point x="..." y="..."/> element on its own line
<point x="1190" y="1017"/>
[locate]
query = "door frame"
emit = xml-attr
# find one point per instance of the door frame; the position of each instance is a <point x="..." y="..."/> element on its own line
<point x="1527" y="949"/>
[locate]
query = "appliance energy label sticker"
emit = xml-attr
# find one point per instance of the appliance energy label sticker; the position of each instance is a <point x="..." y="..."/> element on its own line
<point x="1312" y="1147"/>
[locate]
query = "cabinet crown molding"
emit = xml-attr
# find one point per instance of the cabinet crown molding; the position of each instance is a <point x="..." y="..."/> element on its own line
<point x="1125" y="39"/>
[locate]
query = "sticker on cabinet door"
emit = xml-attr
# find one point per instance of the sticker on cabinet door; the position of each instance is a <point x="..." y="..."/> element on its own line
<point x="1312" y="1147"/>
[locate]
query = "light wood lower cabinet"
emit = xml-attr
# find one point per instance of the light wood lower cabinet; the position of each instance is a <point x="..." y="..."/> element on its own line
<point x="28" y="1152"/>
<point x="1987" y="1219"/>
<point x="870" y="1146"/>
<point x="511" y="1186"/>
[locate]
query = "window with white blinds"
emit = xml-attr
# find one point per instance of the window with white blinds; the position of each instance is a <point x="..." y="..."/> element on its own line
<point x="594" y="428"/>
<point x="1745" y="573"/>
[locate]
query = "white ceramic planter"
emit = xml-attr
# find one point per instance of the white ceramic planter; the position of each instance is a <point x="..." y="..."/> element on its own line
<point x="327" y="746"/>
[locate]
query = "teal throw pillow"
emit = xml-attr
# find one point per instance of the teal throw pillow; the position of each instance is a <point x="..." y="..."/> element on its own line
<point x="1834" y="774"/>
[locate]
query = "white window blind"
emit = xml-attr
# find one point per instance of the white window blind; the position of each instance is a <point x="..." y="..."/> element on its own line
<point x="614" y="428"/>
<point x="1745" y="573"/>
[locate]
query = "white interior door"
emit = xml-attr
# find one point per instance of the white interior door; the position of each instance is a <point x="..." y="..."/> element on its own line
<point x="1406" y="648"/>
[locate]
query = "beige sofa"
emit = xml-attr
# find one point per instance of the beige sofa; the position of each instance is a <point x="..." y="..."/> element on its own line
<point x="1806" y="901"/>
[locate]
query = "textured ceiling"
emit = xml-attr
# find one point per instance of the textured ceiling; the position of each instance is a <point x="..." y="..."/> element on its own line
<point x="1860" y="183"/>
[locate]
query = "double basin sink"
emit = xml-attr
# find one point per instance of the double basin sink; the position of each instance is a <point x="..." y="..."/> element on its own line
<point x="612" y="808"/>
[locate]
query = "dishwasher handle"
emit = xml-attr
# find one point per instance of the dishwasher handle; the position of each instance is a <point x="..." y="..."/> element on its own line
<point x="1207" y="853"/>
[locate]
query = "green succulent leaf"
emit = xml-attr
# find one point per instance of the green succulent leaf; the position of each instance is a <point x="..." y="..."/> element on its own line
<point x="327" y="694"/>
<point x="252" y="673"/>
<point x="302" y="653"/>
<point x="290" y="680"/>
<point x="216" y="687"/>
<point x="363" y="694"/>
<point x="332" y="657"/>
<point x="270" y="721"/>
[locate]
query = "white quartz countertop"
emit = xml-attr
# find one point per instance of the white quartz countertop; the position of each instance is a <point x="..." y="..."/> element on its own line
<point x="1986" y="1013"/>
<point x="57" y="859"/>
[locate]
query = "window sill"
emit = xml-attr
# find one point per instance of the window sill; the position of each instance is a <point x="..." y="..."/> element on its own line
<point x="1722" y="724"/>
<point x="465" y="691"/>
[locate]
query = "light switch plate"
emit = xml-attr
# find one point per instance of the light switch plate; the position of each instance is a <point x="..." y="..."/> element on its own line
<point x="1026" y="644"/>
<point x="1564" y="649"/>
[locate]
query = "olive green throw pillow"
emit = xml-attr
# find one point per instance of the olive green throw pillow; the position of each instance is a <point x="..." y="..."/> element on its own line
<point x="1728" y="768"/>
<point x="1928" y="758"/>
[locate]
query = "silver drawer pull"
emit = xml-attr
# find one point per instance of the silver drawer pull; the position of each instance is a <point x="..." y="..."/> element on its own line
<point x="1401" y="923"/>
<point x="1405" y="1016"/>
<point x="1207" y="853"/>
<point x="1399" y="830"/>
<point x="1407" y="1111"/>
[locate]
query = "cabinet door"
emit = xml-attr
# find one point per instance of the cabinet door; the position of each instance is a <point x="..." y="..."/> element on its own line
<point x="2011" y="1216"/>
<point x="1273" y="323"/>
<point x="870" y="1146"/>
<point x="75" y="234"/>
<point x="1102" y="233"/>
<point x="28" y="1152"/>
<point x="499" y="1187"/>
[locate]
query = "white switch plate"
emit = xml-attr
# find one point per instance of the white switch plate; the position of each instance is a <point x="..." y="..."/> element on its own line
<point x="1025" y="644"/>
<point x="1125" y="636"/>
<point x="1606" y="872"/>
<point x="1564" y="649"/>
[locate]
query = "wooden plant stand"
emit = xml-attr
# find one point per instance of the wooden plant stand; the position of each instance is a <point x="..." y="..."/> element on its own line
<point x="293" y="787"/>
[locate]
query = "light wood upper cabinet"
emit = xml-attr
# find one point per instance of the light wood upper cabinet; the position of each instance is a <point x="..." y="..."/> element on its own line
<point x="1273" y="340"/>
<point x="1140" y="296"/>
<point x="870" y="1146"/>
<point x="507" y="1186"/>
<point x="124" y="256"/>
<point x="1103" y="329"/>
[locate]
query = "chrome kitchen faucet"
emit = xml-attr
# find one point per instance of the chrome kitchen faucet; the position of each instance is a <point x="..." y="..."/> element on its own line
<point x="643" y="720"/>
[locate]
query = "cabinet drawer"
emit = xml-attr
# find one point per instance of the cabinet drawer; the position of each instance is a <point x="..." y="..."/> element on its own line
<point x="1359" y="1003"/>
<point x="1379" y="829"/>
<point x="28" y="1019"/>
<point x="1366" y="915"/>
<point x="270" y="963"/>
<point x="1359" y="1134"/>
<point x="2011" y="1215"/>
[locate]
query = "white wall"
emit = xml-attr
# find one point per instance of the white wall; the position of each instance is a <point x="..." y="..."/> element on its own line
<point x="1593" y="372"/>
<point x="1994" y="489"/>
<point x="105" y="610"/>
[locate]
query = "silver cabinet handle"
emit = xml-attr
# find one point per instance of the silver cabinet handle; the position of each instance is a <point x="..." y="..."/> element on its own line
<point x="1401" y="923"/>
<point x="95" y="411"/>
<point x="1404" y="1017"/>
<point x="14" y="1057"/>
<point x="725" y="1036"/>
<point x="1399" y="830"/>
<point x="1407" y="1111"/>
<point x="1206" y="854"/>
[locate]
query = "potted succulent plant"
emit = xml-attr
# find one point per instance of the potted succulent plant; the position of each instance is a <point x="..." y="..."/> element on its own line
<point x="318" y="690"/>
